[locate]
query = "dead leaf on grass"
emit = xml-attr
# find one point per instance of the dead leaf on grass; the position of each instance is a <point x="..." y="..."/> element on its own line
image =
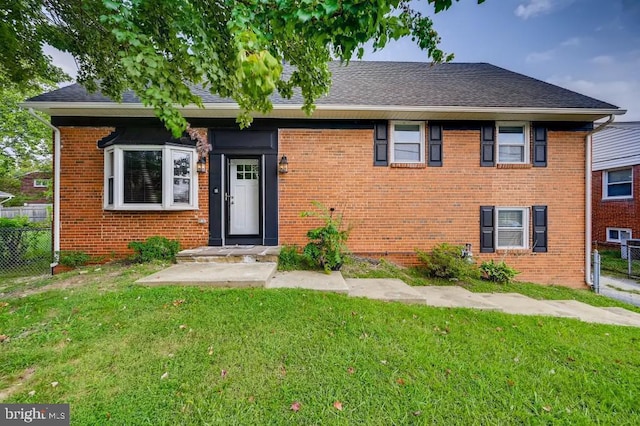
<point x="4" y="304"/>
<point x="400" y="381"/>
<point x="295" y="407"/>
<point x="31" y="393"/>
<point x="351" y="370"/>
<point x="210" y="350"/>
<point x="178" y="302"/>
<point x="182" y="327"/>
<point x="338" y="405"/>
<point x="3" y="337"/>
<point x="223" y="373"/>
<point x="164" y="376"/>
<point x="54" y="384"/>
<point x="547" y="408"/>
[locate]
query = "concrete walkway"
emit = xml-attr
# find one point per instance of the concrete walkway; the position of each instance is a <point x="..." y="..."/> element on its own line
<point x="623" y="289"/>
<point x="264" y="274"/>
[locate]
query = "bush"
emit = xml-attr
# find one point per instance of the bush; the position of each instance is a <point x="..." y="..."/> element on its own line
<point x="73" y="259"/>
<point x="155" y="248"/>
<point x="290" y="259"/>
<point x="327" y="246"/>
<point x="447" y="261"/>
<point x="497" y="272"/>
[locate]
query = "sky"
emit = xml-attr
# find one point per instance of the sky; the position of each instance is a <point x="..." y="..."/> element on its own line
<point x="588" y="46"/>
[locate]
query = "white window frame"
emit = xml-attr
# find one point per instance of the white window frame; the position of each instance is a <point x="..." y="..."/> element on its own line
<point x="619" y="230"/>
<point x="167" y="178"/>
<point x="40" y="183"/>
<point x="392" y="125"/>
<point x="526" y="128"/>
<point x="605" y="185"/>
<point x="525" y="228"/>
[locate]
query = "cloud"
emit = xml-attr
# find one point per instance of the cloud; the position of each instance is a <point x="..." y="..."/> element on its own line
<point x="539" y="7"/>
<point x="573" y="41"/>
<point x="622" y="93"/>
<point x="602" y="60"/>
<point x="535" y="57"/>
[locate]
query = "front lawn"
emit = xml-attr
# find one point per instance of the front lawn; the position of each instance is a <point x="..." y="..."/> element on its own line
<point x="128" y="354"/>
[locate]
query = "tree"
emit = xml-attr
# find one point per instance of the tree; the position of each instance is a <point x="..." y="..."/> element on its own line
<point x="232" y="48"/>
<point x="25" y="142"/>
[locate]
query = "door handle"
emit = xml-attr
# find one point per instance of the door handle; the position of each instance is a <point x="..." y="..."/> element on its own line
<point x="228" y="197"/>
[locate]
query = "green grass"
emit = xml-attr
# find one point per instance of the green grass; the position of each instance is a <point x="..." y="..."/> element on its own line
<point x="108" y="343"/>
<point x="358" y="268"/>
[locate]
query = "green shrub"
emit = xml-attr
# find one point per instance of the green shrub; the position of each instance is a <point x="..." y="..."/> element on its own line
<point x="447" y="261"/>
<point x="155" y="248"/>
<point x="73" y="259"/>
<point x="497" y="272"/>
<point x="327" y="244"/>
<point x="290" y="259"/>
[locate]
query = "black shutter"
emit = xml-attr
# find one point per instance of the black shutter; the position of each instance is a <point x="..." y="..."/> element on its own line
<point x="435" y="145"/>
<point x="539" y="147"/>
<point x="380" y="144"/>
<point x="487" y="229"/>
<point x="487" y="145"/>
<point x="540" y="229"/>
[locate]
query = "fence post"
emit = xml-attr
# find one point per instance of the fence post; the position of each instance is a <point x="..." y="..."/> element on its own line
<point x="596" y="271"/>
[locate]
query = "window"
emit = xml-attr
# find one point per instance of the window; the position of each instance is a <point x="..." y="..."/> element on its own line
<point x="512" y="228"/>
<point x="150" y="178"/>
<point x="617" y="235"/>
<point x="513" y="143"/>
<point x="40" y="183"/>
<point x="407" y="141"/>
<point x="618" y="183"/>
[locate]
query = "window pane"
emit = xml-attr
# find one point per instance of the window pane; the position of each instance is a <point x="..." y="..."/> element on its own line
<point x="143" y="177"/>
<point x="407" y="133"/>
<point x="181" y="193"/>
<point x="406" y="152"/>
<point x="181" y="164"/>
<point x="111" y="164"/>
<point x="510" y="219"/>
<point x="619" y="176"/>
<point x="511" y="135"/>
<point x="619" y="190"/>
<point x="625" y="235"/>
<point x="511" y="154"/>
<point x="613" y="234"/>
<point x="510" y="238"/>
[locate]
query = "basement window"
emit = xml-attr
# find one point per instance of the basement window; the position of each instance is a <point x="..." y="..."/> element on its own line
<point x="150" y="177"/>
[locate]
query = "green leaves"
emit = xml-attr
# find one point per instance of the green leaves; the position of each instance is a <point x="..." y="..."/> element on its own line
<point x="160" y="49"/>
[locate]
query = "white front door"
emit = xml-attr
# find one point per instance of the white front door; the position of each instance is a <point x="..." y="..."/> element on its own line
<point x="244" y="196"/>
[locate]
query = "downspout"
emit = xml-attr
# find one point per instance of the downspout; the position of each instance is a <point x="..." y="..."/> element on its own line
<point x="56" y="188"/>
<point x="588" y="189"/>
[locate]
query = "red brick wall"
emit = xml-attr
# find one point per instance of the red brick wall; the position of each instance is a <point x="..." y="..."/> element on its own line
<point x="396" y="210"/>
<point x="614" y="213"/>
<point x="85" y="226"/>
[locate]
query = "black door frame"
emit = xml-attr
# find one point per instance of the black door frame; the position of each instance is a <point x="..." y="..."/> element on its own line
<point x="232" y="143"/>
<point x="231" y="239"/>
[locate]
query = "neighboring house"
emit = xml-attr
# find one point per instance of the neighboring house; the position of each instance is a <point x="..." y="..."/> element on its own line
<point x="616" y="183"/>
<point x="413" y="155"/>
<point x="4" y="197"/>
<point x="34" y="185"/>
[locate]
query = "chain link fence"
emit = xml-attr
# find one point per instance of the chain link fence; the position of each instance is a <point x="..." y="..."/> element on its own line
<point x="633" y="258"/>
<point x="25" y="251"/>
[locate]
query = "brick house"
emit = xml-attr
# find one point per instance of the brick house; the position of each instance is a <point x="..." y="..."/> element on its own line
<point x="35" y="185"/>
<point x="616" y="168"/>
<point x="413" y="155"/>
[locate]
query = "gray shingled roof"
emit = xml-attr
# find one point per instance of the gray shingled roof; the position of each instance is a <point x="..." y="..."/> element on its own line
<point x="406" y="84"/>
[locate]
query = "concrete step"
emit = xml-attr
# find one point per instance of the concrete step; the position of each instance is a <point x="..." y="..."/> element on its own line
<point x="515" y="303"/>
<point x="454" y="297"/>
<point x="214" y="274"/>
<point x="310" y="280"/>
<point x="229" y="254"/>
<point x="594" y="314"/>
<point x="389" y="289"/>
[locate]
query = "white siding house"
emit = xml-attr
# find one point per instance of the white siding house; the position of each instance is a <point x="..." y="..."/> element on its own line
<point x="618" y="145"/>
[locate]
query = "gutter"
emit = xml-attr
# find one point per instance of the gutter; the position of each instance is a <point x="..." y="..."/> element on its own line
<point x="56" y="189"/>
<point x="588" y="189"/>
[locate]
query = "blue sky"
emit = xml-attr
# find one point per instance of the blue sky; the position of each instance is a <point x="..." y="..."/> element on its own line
<point x="589" y="46"/>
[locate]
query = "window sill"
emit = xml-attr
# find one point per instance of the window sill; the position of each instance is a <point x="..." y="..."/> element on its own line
<point x="150" y="209"/>
<point x="618" y="199"/>
<point x="513" y="166"/>
<point x="408" y="165"/>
